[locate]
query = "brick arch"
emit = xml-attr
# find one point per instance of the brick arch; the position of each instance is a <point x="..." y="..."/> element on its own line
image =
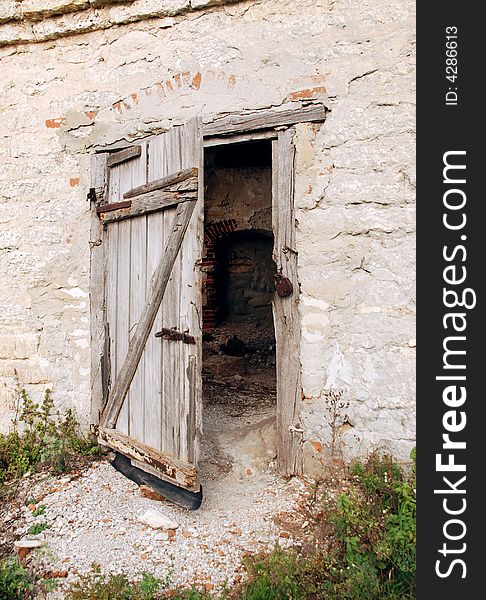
<point x="215" y="235"/>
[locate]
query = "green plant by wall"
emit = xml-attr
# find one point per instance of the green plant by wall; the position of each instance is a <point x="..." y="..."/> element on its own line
<point x="15" y="583"/>
<point x="367" y="534"/>
<point x="45" y="438"/>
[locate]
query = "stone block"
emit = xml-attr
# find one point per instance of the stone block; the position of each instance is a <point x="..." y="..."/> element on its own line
<point x="9" y="10"/>
<point x="38" y="9"/>
<point x="20" y="345"/>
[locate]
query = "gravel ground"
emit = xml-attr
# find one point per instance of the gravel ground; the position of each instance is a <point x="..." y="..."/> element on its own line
<point x="94" y="519"/>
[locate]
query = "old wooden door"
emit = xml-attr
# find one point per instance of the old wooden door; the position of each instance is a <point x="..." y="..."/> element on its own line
<point x="153" y="223"/>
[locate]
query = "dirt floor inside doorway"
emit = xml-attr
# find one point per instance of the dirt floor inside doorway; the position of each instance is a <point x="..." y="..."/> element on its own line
<point x="239" y="399"/>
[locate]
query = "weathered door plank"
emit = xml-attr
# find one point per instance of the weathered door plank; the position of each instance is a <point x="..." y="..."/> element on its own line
<point x="153" y="363"/>
<point x="138" y="252"/>
<point x="111" y="284"/>
<point x="172" y="365"/>
<point x="190" y="411"/>
<point x="151" y="202"/>
<point x="121" y="332"/>
<point x="117" y="158"/>
<point x="156" y="242"/>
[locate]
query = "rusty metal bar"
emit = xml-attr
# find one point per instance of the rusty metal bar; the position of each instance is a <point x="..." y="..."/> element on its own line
<point x="113" y="206"/>
<point x="176" y="336"/>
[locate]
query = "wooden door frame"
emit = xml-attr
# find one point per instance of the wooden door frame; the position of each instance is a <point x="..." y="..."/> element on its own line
<point x="277" y="126"/>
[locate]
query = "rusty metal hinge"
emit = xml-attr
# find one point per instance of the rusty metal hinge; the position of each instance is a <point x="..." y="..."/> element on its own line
<point x="91" y="196"/>
<point x="283" y="285"/>
<point x="177" y="336"/>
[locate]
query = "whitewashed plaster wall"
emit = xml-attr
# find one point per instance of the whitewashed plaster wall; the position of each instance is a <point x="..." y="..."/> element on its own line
<point x="136" y="67"/>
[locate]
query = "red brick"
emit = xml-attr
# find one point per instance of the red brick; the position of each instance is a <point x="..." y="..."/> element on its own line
<point x="55" y="123"/>
<point x="196" y="81"/>
<point x="307" y="93"/>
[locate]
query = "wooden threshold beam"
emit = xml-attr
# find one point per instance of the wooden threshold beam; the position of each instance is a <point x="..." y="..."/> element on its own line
<point x="166" y="467"/>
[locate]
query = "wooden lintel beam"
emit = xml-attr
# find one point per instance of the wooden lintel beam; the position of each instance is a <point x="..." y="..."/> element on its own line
<point x="264" y="119"/>
<point x="236" y="123"/>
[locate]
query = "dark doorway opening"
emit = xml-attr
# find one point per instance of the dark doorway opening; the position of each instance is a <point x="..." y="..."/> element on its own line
<point x="239" y="376"/>
<point x="244" y="278"/>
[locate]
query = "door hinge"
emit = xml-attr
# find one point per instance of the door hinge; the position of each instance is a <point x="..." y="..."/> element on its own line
<point x="104" y="208"/>
<point x="283" y="285"/>
<point x="91" y="196"/>
<point x="293" y="429"/>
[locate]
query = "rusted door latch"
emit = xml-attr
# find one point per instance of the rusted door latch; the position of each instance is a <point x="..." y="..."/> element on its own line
<point x="176" y="336"/>
<point x="283" y="285"/>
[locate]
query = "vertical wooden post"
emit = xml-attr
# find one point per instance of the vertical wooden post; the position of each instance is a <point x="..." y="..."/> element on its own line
<point x="96" y="285"/>
<point x="285" y="310"/>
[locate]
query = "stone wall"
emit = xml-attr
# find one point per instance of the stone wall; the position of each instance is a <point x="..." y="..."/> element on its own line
<point x="245" y="278"/>
<point x="237" y="274"/>
<point x="120" y="70"/>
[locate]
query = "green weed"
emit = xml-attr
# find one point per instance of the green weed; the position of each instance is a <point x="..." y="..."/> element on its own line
<point x="37" y="528"/>
<point x="15" y="583"/>
<point x="369" y="544"/>
<point x="45" y="440"/>
<point x="95" y="586"/>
